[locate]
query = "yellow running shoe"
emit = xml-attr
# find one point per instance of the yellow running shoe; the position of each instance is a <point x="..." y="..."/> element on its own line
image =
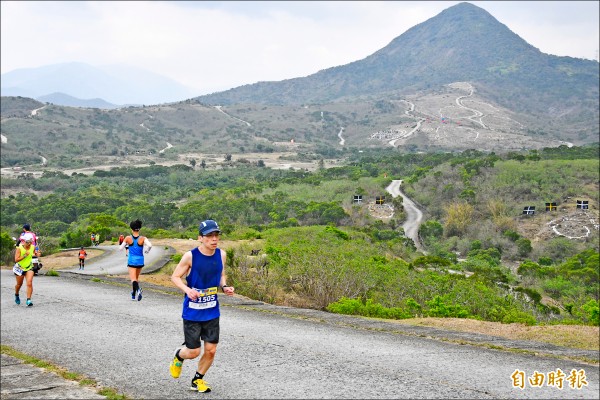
<point x="175" y="367"/>
<point x="200" y="385"/>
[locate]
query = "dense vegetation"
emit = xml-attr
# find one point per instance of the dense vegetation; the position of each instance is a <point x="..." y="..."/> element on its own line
<point x="320" y="250"/>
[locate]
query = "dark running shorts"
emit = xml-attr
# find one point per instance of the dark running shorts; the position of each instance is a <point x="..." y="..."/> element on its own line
<point x="135" y="266"/>
<point x="193" y="331"/>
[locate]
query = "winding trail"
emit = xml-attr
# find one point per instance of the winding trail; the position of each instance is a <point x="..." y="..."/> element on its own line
<point x="477" y="115"/>
<point x="415" y="129"/>
<point x="169" y="145"/>
<point x="34" y="112"/>
<point x="414" y="216"/>
<point x="231" y="116"/>
<point x="342" y="140"/>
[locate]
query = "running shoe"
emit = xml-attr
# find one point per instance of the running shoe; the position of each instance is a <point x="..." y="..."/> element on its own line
<point x="139" y="294"/>
<point x="29" y="303"/>
<point x="175" y="367"/>
<point x="17" y="299"/>
<point x="200" y="385"/>
<point x="132" y="296"/>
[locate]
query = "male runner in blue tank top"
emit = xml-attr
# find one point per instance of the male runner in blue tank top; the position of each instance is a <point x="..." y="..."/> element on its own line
<point x="204" y="268"/>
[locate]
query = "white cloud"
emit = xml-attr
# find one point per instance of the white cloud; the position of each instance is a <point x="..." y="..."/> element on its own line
<point x="212" y="46"/>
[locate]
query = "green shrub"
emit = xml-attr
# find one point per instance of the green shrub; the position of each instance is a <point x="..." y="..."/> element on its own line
<point x="512" y="235"/>
<point x="529" y="268"/>
<point x="546" y="261"/>
<point x="7" y="245"/>
<point x="438" y="308"/>
<point x="413" y="307"/>
<point x="370" y="308"/>
<point x="476" y="245"/>
<point x="346" y="306"/>
<point x="523" y="246"/>
<point x="245" y="233"/>
<point x="520" y="317"/>
<point x="593" y="311"/>
<point x="337" y="232"/>
<point x="431" y="229"/>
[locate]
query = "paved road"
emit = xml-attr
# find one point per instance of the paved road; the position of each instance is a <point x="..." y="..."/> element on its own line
<point x="266" y="351"/>
<point x="414" y="216"/>
<point x="114" y="262"/>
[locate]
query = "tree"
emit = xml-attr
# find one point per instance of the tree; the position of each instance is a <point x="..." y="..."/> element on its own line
<point x="432" y="229"/>
<point x="7" y="244"/>
<point x="524" y="246"/>
<point x="458" y="218"/>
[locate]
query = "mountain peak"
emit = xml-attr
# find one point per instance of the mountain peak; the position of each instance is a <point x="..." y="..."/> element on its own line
<point x="462" y="43"/>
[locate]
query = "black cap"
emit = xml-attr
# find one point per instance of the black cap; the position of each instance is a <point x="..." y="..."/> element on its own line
<point x="26" y="227"/>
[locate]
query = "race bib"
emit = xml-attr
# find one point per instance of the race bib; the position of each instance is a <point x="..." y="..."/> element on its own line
<point x="17" y="270"/>
<point x="207" y="299"/>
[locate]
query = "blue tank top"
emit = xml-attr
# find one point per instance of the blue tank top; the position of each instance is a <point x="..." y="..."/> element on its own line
<point x="205" y="277"/>
<point x="136" y="253"/>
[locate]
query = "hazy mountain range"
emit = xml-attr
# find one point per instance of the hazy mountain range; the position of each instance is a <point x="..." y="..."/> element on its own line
<point x="460" y="80"/>
<point x="82" y="85"/>
<point x="462" y="43"/>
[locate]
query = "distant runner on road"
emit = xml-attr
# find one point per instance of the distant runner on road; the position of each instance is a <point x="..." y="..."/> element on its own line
<point x="82" y="255"/>
<point x="138" y="246"/>
<point x="23" y="268"/>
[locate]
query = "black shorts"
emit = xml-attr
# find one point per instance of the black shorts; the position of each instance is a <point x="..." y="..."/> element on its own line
<point x="193" y="331"/>
<point x="135" y="266"/>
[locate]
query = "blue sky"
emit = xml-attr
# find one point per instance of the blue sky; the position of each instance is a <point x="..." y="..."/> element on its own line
<point x="212" y="46"/>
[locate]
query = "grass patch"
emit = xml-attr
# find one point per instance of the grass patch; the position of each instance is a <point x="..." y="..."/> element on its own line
<point x="572" y="336"/>
<point x="52" y="272"/>
<point x="110" y="393"/>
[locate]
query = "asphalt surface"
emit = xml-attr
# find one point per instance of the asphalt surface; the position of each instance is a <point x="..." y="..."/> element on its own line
<point x="114" y="261"/>
<point x="24" y="381"/>
<point x="93" y="328"/>
<point x="414" y="216"/>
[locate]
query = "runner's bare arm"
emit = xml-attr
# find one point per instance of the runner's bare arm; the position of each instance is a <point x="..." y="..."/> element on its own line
<point x="182" y="270"/>
<point x="228" y="290"/>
